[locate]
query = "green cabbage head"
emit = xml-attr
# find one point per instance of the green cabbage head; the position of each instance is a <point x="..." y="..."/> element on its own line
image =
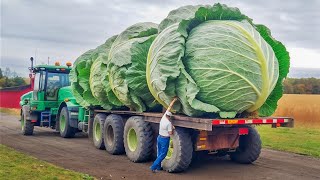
<point x="127" y="66"/>
<point x="88" y="78"/>
<point x="216" y="61"/>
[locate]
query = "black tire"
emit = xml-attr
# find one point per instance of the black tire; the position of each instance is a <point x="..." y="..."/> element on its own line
<point x="57" y="124"/>
<point x="113" y="134"/>
<point x="26" y="125"/>
<point x="249" y="148"/>
<point x="90" y="128"/>
<point x="66" y="131"/>
<point x="97" y="131"/>
<point x="138" y="149"/>
<point x="182" y="152"/>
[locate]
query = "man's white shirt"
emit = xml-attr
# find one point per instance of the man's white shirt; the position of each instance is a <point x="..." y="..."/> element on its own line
<point x="165" y="126"/>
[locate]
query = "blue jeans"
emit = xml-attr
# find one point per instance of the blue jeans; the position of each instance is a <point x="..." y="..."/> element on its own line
<point x="163" y="146"/>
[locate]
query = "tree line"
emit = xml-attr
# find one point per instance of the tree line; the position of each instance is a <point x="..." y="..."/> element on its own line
<point x="10" y="78"/>
<point x="301" y="86"/>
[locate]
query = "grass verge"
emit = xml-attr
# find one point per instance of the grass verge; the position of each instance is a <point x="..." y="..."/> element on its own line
<point x="16" y="165"/>
<point x="300" y="140"/>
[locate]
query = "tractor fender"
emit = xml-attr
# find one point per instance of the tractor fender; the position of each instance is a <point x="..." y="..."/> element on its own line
<point x="73" y="112"/>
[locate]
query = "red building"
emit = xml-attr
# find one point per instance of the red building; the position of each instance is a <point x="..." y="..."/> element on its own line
<point x="10" y="97"/>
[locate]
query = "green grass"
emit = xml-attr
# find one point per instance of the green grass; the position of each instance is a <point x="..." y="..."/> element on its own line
<point x="16" y="165"/>
<point x="300" y="140"/>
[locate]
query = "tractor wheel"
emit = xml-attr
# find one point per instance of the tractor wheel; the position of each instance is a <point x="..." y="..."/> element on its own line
<point x="26" y="125"/>
<point x="180" y="152"/>
<point x="97" y="133"/>
<point x="138" y="139"/>
<point x="66" y="131"/>
<point x="113" y="134"/>
<point x="249" y="148"/>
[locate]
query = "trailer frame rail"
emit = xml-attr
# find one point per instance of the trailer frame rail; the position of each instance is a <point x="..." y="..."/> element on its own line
<point x="207" y="124"/>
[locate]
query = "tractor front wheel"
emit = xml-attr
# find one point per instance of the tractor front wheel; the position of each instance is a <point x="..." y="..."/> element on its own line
<point x="26" y="125"/>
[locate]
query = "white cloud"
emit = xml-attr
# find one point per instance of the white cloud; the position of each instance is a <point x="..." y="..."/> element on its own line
<point x="302" y="57"/>
<point x="63" y="30"/>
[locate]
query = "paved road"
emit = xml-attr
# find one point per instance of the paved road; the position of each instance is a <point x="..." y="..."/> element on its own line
<point x="80" y="155"/>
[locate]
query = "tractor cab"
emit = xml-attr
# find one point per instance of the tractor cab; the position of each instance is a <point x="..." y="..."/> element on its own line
<point x="48" y="79"/>
<point x="50" y="88"/>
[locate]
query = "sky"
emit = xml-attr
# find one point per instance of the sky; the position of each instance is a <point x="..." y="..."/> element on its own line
<point x="62" y="30"/>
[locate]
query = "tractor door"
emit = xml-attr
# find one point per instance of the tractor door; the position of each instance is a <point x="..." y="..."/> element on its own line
<point x="55" y="81"/>
<point x="39" y="84"/>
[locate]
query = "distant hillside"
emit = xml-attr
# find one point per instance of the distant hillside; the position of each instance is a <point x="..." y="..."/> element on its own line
<point x="304" y="72"/>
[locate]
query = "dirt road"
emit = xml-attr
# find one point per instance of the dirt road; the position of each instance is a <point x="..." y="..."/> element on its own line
<point x="80" y="155"/>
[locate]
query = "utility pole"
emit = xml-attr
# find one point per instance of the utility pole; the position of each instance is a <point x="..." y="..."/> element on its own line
<point x="48" y="60"/>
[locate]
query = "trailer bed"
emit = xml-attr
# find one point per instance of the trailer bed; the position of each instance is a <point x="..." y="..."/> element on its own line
<point x="207" y="124"/>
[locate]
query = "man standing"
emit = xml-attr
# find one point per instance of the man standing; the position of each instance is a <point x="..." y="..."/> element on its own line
<point x="165" y="130"/>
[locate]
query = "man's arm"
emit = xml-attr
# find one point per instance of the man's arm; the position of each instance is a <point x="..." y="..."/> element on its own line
<point x="172" y="103"/>
<point x="171" y="127"/>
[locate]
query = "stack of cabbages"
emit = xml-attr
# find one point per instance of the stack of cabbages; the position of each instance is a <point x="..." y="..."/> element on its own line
<point x="213" y="58"/>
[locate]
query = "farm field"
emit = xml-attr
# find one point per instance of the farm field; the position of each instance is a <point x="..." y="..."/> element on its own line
<point x="304" y="138"/>
<point x="11" y="111"/>
<point x="304" y="108"/>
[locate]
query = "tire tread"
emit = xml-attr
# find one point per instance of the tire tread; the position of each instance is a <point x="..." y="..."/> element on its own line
<point x="253" y="145"/>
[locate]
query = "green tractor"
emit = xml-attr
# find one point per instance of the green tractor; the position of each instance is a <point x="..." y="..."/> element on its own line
<point x="51" y="103"/>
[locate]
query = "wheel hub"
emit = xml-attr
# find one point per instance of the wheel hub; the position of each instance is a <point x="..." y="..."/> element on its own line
<point x="170" y="149"/>
<point x="97" y="131"/>
<point x="110" y="135"/>
<point x="132" y="139"/>
<point x="62" y="123"/>
<point x="22" y="122"/>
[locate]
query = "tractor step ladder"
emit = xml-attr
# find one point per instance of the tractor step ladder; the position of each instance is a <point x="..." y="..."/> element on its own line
<point x="45" y="120"/>
<point x="87" y="116"/>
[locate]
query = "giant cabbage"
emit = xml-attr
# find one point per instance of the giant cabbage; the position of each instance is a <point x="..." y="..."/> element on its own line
<point x="88" y="78"/>
<point x="126" y="67"/>
<point x="99" y="80"/>
<point x="77" y="72"/>
<point x="216" y="60"/>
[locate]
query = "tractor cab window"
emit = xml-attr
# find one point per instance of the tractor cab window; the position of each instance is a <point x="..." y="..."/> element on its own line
<point x="55" y="81"/>
<point x="36" y="86"/>
<point x="36" y="82"/>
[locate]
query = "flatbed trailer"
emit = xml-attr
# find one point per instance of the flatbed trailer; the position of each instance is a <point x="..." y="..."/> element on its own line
<point x="138" y="133"/>
<point x="52" y="104"/>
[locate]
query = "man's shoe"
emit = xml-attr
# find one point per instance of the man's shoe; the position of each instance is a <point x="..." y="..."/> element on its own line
<point x="153" y="171"/>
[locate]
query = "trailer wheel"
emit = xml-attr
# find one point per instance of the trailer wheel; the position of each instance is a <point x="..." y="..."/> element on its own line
<point x="97" y="135"/>
<point x="138" y="139"/>
<point x="180" y="152"/>
<point x="249" y="148"/>
<point x="90" y="127"/>
<point x="26" y="126"/>
<point x="113" y="134"/>
<point x="66" y="131"/>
